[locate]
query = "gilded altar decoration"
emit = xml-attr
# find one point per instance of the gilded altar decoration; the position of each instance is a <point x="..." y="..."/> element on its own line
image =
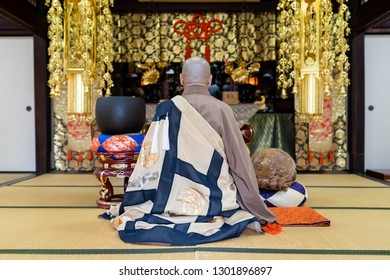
<point x="243" y="71"/>
<point x="81" y="42"/>
<point x="80" y="64"/>
<point x="151" y="76"/>
<point x="198" y="29"/>
<point x="313" y="60"/>
<point x="321" y="136"/>
<point x="55" y="34"/>
<point x="152" y="72"/>
<point x="313" y="65"/>
<point x="80" y="53"/>
<point x="104" y="46"/>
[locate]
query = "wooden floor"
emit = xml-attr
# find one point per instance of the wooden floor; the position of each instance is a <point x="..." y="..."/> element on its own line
<point x="54" y="216"/>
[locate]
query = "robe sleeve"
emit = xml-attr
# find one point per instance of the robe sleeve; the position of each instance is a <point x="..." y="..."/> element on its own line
<point x="242" y="170"/>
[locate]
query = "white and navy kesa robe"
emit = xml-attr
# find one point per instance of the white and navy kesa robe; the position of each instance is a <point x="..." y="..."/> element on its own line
<point x="180" y="191"/>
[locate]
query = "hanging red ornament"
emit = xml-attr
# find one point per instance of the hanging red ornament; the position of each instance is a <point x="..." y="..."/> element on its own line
<point x="80" y="158"/>
<point x="69" y="155"/>
<point x="188" y="51"/>
<point x="198" y="28"/>
<point x="310" y="158"/>
<point x="321" y="160"/>
<point x="207" y="53"/>
<point x="89" y="156"/>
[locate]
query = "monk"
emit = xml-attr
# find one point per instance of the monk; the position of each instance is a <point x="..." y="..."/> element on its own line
<point x="196" y="80"/>
<point x="193" y="182"/>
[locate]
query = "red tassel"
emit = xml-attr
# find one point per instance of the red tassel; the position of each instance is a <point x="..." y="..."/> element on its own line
<point x="321" y="160"/>
<point x="207" y="54"/>
<point x="89" y="156"/>
<point x="331" y="156"/>
<point x="188" y="51"/>
<point x="80" y="158"/>
<point x="69" y="155"/>
<point x="273" y="228"/>
<point x="310" y="156"/>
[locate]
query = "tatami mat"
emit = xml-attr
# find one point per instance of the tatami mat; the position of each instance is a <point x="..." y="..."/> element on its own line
<point x="68" y="180"/>
<point x="80" y="232"/>
<point x="54" y="179"/>
<point x="198" y="255"/>
<point x="229" y="255"/>
<point x="6" y="178"/>
<point x="60" y="229"/>
<point x="54" y="216"/>
<point x="96" y="256"/>
<point x="36" y="196"/>
<point x="348" y="231"/>
<point x="46" y="196"/>
<point x="337" y="180"/>
<point x="88" y="179"/>
<point x="348" y="197"/>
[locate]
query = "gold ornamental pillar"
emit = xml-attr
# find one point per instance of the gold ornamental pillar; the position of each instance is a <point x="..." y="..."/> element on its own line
<point x="310" y="100"/>
<point x="312" y="53"/>
<point x="313" y="63"/>
<point x="80" y="65"/>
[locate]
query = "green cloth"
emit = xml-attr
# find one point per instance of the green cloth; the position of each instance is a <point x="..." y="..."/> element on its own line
<point x="273" y="130"/>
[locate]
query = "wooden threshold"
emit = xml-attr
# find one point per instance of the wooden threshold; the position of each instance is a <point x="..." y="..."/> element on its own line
<point x="383" y="174"/>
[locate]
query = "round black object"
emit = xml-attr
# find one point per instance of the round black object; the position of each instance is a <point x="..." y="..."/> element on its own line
<point x="120" y="114"/>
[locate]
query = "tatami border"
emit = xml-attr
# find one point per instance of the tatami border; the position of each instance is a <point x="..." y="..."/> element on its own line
<point x="95" y="207"/>
<point x="192" y="250"/>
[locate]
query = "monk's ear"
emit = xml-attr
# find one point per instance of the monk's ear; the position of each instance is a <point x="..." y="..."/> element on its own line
<point x="181" y="79"/>
<point x="210" y="80"/>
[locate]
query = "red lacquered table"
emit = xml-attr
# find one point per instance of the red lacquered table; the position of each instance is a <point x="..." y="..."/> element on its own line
<point x="113" y="164"/>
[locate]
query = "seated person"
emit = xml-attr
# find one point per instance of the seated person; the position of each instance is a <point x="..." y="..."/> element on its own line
<point x="194" y="181"/>
<point x="214" y="91"/>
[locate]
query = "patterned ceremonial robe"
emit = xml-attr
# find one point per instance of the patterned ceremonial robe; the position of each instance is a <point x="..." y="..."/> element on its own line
<point x="220" y="116"/>
<point x="181" y="191"/>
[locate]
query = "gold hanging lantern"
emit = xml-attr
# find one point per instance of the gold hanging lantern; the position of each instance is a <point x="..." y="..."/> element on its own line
<point x="81" y="43"/>
<point x="55" y="66"/>
<point x="80" y="62"/>
<point x="312" y="53"/>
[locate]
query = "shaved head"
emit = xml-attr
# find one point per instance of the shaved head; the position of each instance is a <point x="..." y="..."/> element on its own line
<point x="196" y="70"/>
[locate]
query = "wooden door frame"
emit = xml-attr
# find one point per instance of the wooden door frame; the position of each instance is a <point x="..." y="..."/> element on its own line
<point x="364" y="17"/>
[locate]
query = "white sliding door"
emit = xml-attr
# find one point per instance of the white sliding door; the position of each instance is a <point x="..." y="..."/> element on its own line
<point x="377" y="102"/>
<point x="17" y="121"/>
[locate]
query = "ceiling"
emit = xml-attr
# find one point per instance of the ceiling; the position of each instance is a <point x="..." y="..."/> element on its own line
<point x="9" y="28"/>
<point x="380" y="28"/>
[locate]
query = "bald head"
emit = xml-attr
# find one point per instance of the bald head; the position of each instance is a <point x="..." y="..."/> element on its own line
<point x="196" y="70"/>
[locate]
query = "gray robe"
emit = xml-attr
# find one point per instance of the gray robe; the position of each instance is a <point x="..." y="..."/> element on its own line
<point x="220" y="116"/>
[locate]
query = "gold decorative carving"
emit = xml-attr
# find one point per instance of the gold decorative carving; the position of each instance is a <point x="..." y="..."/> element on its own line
<point x="80" y="37"/>
<point x="313" y="47"/>
<point x="242" y="72"/>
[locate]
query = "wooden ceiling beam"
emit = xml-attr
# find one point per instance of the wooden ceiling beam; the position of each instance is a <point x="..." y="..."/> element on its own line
<point x="369" y="15"/>
<point x="25" y="15"/>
